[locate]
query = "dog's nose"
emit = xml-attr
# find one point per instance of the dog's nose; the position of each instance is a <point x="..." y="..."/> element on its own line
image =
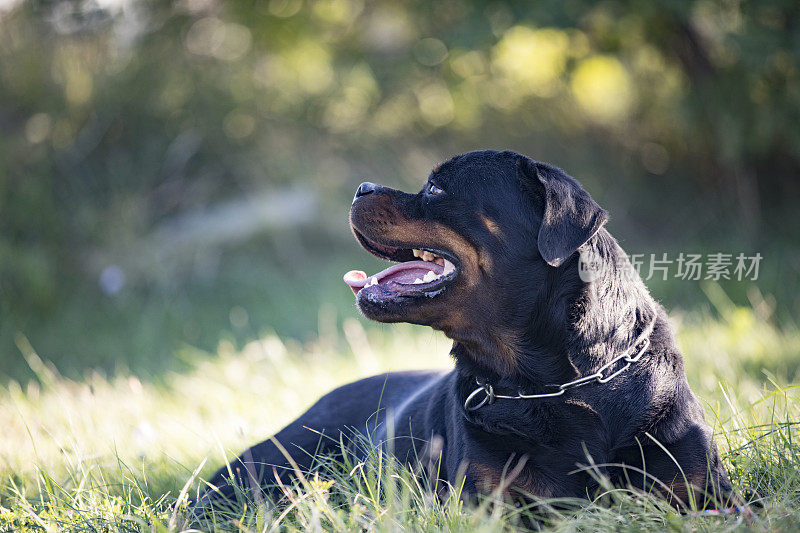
<point x="365" y="189"/>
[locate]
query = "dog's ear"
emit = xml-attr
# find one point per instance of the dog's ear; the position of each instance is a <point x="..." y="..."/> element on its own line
<point x="569" y="215"/>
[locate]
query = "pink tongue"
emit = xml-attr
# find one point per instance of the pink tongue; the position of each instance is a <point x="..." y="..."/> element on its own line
<point x="403" y="273"/>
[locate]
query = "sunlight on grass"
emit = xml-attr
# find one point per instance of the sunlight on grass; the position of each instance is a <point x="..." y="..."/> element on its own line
<point x="114" y="453"/>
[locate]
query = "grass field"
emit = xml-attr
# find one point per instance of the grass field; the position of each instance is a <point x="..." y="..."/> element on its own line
<point x="109" y="454"/>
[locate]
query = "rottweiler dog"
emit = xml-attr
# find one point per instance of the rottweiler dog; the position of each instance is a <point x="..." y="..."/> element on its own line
<point x="566" y="369"/>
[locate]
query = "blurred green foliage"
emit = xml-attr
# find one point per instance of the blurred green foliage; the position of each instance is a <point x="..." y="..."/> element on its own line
<point x="120" y="117"/>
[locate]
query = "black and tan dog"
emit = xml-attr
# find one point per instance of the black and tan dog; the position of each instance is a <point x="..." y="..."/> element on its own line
<point x="555" y="370"/>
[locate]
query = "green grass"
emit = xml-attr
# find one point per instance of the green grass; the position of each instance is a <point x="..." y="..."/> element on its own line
<point x="100" y="454"/>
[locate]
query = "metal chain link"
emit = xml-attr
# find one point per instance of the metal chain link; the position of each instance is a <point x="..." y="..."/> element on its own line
<point x="596" y="377"/>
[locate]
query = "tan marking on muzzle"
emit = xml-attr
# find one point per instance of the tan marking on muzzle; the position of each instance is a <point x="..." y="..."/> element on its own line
<point x="473" y="262"/>
<point x="466" y="319"/>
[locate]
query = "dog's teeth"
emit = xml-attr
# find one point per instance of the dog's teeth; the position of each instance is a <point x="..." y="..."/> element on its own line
<point x="432" y="257"/>
<point x="430" y="276"/>
<point x="373" y="281"/>
<point x="418" y="281"/>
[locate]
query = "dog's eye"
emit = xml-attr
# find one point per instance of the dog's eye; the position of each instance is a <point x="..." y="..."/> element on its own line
<point x="433" y="189"/>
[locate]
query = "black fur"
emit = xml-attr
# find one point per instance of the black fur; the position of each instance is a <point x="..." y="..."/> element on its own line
<point x="521" y="318"/>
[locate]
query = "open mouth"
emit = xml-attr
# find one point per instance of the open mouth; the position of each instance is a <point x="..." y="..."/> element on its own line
<point x="419" y="270"/>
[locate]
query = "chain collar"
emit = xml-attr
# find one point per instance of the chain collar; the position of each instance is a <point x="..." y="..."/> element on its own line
<point x="597" y="377"/>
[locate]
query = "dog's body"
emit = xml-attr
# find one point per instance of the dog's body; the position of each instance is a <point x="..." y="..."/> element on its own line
<point x="505" y="233"/>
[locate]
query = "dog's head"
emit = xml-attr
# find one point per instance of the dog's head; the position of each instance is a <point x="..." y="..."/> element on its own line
<point x="473" y="248"/>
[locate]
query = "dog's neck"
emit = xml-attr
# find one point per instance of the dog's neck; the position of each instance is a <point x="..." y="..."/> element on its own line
<point x="608" y="314"/>
<point x="573" y="328"/>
